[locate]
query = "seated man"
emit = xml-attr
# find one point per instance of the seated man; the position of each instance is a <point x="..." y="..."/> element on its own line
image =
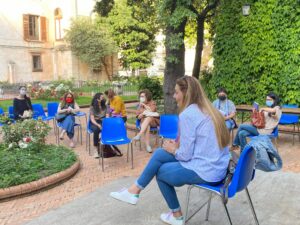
<point x="226" y="107"/>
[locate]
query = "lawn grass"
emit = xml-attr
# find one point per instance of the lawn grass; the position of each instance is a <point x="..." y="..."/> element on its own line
<point x="19" y="166"/>
<point x="81" y="100"/>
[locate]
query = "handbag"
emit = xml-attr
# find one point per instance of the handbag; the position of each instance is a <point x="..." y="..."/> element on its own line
<point x="60" y="117"/>
<point x="148" y="113"/>
<point x="258" y="119"/>
<point x="111" y="151"/>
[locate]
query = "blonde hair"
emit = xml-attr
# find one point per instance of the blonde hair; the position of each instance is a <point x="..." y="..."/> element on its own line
<point x="193" y="93"/>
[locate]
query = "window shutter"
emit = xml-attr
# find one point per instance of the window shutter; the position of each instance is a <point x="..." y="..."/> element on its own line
<point x="26" y="27"/>
<point x="43" y="22"/>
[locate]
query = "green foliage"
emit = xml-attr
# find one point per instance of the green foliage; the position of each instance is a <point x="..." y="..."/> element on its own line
<point x="103" y="7"/>
<point x="28" y="133"/>
<point x="26" y="165"/>
<point x="258" y="53"/>
<point x="153" y="84"/>
<point x="90" y="42"/>
<point x="133" y="29"/>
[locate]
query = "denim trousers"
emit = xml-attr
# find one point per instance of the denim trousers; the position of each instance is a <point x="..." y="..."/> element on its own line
<point x="243" y="132"/>
<point x="68" y="125"/>
<point x="169" y="174"/>
<point x="96" y="131"/>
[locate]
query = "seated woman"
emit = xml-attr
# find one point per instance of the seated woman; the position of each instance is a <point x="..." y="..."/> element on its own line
<point x="272" y="115"/>
<point x="201" y="154"/>
<point x="68" y="107"/>
<point x="226" y="107"/>
<point x="98" y="111"/>
<point x="146" y="105"/>
<point x="22" y="105"/>
<point x="116" y="105"/>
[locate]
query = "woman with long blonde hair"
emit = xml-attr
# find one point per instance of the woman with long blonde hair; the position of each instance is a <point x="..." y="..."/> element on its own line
<point x="200" y="156"/>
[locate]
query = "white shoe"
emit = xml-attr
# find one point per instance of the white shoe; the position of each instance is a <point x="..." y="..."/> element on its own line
<point x="149" y="149"/>
<point x="96" y="155"/>
<point x="170" y="219"/>
<point x="136" y="138"/>
<point x="125" y="196"/>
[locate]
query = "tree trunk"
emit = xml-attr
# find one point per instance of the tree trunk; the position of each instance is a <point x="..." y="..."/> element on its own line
<point x="199" y="47"/>
<point x="173" y="69"/>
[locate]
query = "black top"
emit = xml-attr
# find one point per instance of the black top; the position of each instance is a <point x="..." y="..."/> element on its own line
<point x="20" y="105"/>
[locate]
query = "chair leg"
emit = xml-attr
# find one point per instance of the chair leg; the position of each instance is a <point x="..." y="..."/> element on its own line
<point x="227" y="213"/>
<point x="208" y="207"/>
<point x="80" y="135"/>
<point x="185" y="218"/>
<point x="101" y="158"/>
<point x="131" y="155"/>
<point x="251" y="206"/>
<point x="294" y="133"/>
<point x="127" y="152"/>
<point x="140" y="144"/>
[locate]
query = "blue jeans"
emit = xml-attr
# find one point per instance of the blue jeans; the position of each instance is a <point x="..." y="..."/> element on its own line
<point x="229" y="124"/>
<point x="68" y="125"/>
<point x="243" y="132"/>
<point x="169" y="174"/>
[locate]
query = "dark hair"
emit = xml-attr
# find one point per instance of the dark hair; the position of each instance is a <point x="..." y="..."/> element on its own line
<point x="275" y="98"/>
<point x="221" y="89"/>
<point x="147" y="93"/>
<point x="95" y="103"/>
<point x="110" y="93"/>
<point x="63" y="103"/>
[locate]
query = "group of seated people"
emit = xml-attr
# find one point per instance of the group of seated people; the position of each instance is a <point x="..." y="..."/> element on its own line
<point x="200" y="154"/>
<point x="115" y="107"/>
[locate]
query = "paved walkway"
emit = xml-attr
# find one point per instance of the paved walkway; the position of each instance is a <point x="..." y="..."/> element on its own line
<point x="275" y="197"/>
<point x="90" y="178"/>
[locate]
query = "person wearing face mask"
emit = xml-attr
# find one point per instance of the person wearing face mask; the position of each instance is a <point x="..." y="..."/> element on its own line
<point x="98" y="110"/>
<point x="226" y="107"/>
<point x="68" y="107"/>
<point x="272" y="114"/>
<point x="146" y="104"/>
<point x="22" y="104"/>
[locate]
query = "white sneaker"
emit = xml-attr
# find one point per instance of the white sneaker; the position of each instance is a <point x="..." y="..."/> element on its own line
<point x="149" y="149"/>
<point x="125" y="196"/>
<point x="170" y="219"/>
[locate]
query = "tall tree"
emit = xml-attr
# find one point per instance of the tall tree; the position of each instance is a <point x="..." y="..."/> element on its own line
<point x="134" y="32"/>
<point x="202" y="10"/>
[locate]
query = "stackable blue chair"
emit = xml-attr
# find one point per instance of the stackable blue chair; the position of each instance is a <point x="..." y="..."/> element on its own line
<point x="114" y="133"/>
<point x="290" y="119"/>
<point x="11" y="112"/>
<point x="243" y="174"/>
<point x="152" y="130"/>
<point x="38" y="112"/>
<point x="168" y="127"/>
<point x="88" y="136"/>
<point x="1" y="114"/>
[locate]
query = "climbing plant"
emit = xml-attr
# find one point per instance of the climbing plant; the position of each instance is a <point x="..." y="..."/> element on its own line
<point x="258" y="53"/>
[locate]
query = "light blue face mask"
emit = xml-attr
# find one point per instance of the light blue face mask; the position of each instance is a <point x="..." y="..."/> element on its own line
<point x="269" y="103"/>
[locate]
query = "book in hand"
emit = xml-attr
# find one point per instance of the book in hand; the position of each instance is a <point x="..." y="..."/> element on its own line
<point x="256" y="106"/>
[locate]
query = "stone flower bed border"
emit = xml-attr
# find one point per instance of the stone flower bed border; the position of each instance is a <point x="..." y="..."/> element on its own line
<point x="39" y="184"/>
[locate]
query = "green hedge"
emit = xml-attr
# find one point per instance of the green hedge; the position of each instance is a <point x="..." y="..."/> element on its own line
<point x="258" y="53"/>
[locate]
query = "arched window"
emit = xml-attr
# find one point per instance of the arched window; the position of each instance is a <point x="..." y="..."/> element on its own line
<point x="58" y="17"/>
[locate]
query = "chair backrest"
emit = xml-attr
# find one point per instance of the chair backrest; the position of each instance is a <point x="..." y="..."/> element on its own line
<point x="113" y="129"/>
<point x="1" y="112"/>
<point x="243" y="172"/>
<point x="168" y="125"/>
<point x="52" y="108"/>
<point x="275" y="132"/>
<point x="38" y="110"/>
<point x="11" y="112"/>
<point x="138" y="124"/>
<point x="88" y="128"/>
<point x="289" y="118"/>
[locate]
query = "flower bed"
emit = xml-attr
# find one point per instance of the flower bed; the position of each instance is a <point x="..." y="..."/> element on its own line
<point x="25" y="157"/>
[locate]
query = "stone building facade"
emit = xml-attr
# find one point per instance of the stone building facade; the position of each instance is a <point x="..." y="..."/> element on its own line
<point x="32" y="45"/>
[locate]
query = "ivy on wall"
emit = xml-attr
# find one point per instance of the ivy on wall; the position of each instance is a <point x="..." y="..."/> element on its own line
<point x="256" y="54"/>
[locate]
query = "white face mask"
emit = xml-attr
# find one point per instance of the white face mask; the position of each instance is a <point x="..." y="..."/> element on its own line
<point x="22" y="92"/>
<point x="142" y="99"/>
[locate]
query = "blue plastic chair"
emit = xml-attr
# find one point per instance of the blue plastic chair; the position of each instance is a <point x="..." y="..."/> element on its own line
<point x="38" y="112"/>
<point x="244" y="173"/>
<point x="152" y="129"/>
<point x="1" y="114"/>
<point x="52" y="109"/>
<point x="114" y="133"/>
<point x="11" y="112"/>
<point x="168" y="126"/>
<point x="290" y="119"/>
